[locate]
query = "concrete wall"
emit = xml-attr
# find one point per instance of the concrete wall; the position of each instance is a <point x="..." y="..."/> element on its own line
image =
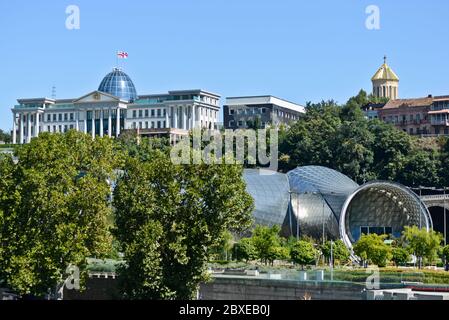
<point x="265" y="289"/>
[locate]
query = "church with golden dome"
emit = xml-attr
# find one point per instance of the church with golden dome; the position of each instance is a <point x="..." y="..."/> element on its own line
<point x="385" y="82"/>
<point x="424" y="116"/>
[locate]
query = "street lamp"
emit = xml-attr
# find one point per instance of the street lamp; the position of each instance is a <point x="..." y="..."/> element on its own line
<point x="444" y="215"/>
<point x="331" y="262"/>
<point x="322" y="218"/>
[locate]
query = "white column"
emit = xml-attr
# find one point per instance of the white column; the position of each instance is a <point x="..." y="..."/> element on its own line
<point x="184" y="117"/>
<point x="36" y="127"/>
<point x="167" y="124"/>
<point x="175" y="116"/>
<point x="93" y="123"/>
<point x="193" y="116"/>
<point x="14" y="133"/>
<point x="117" y="129"/>
<point x="28" y="128"/>
<point x="20" y="128"/>
<point x="77" y="118"/>
<point x="101" y="122"/>
<point x="85" y="122"/>
<point x="109" y="123"/>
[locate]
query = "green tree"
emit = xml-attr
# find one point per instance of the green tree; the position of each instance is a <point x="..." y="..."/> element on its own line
<point x="400" y="256"/>
<point x="5" y="137"/>
<point x="244" y="250"/>
<point x="422" y="244"/>
<point x="340" y="252"/>
<point x="311" y="139"/>
<point x="54" y="209"/>
<point x="223" y="248"/>
<point x="372" y="249"/>
<point x="303" y="253"/>
<point x="267" y="243"/>
<point x="445" y="255"/>
<point x="421" y="168"/>
<point x="183" y="211"/>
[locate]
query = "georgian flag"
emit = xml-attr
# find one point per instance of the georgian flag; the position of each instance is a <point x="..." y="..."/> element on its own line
<point x="122" y="55"/>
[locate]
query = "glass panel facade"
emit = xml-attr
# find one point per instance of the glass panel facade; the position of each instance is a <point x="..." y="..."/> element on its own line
<point x="119" y="84"/>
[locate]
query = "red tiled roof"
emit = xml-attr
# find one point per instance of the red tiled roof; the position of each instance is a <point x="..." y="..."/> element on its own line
<point x="419" y="102"/>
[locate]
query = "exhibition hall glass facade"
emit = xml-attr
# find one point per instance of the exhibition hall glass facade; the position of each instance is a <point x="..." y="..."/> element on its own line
<point x="324" y="204"/>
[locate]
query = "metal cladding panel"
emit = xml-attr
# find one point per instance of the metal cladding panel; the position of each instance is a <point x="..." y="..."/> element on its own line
<point x="270" y="191"/>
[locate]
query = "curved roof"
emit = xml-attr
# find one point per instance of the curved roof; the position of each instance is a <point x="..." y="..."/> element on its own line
<point x="385" y="73"/>
<point x="319" y="179"/>
<point x="118" y="84"/>
<point x="270" y="191"/>
<point x="381" y="203"/>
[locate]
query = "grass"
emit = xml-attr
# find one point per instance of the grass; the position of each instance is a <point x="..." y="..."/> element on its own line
<point x="388" y="275"/>
<point x="395" y="275"/>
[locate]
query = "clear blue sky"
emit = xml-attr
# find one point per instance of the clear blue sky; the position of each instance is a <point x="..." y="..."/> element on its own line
<point x="298" y="50"/>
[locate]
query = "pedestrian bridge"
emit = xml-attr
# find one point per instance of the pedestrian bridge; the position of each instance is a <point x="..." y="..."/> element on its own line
<point x="438" y="200"/>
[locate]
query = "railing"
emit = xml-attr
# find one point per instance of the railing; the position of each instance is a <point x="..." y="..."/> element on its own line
<point x="440" y="122"/>
<point x="432" y="135"/>
<point x="435" y="197"/>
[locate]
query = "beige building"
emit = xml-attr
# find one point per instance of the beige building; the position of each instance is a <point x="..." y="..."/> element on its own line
<point x="385" y="82"/>
<point x="425" y="116"/>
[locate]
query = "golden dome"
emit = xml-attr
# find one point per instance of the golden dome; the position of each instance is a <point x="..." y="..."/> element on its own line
<point x="385" y="73"/>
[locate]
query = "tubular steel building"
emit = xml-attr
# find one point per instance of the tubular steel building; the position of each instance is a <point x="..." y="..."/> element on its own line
<point x="324" y="204"/>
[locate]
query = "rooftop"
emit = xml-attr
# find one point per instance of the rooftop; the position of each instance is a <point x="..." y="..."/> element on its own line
<point x="410" y="103"/>
<point x="385" y="73"/>
<point x="266" y="99"/>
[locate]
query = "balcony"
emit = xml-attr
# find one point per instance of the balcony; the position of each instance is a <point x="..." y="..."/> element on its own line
<point x="442" y="122"/>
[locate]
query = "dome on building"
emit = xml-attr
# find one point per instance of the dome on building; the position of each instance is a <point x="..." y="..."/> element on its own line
<point x="385" y="73"/>
<point x="323" y="203"/>
<point x="384" y="208"/>
<point x="317" y="196"/>
<point x="270" y="191"/>
<point x="118" y="84"/>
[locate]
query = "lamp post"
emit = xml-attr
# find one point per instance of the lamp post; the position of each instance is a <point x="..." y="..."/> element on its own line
<point x="331" y="262"/>
<point x="444" y="215"/>
<point x="322" y="217"/>
<point x="297" y="218"/>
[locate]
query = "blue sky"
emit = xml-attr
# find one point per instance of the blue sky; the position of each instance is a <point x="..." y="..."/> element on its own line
<point x="298" y="50"/>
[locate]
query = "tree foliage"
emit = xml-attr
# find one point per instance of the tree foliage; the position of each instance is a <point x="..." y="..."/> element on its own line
<point x="341" y="138"/>
<point x="422" y="244"/>
<point x="5" y="136"/>
<point x="372" y="249"/>
<point x="267" y="243"/>
<point x="303" y="253"/>
<point x="340" y="252"/>
<point x="182" y="211"/>
<point x="400" y="256"/>
<point x="54" y="209"/>
<point x="244" y="250"/>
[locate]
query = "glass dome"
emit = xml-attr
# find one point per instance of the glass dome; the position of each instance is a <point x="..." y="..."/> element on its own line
<point x="384" y="208"/>
<point x="118" y="84"/>
<point x="270" y="191"/>
<point x="317" y="196"/>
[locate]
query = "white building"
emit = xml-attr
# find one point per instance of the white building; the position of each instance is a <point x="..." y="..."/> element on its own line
<point x="115" y="107"/>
